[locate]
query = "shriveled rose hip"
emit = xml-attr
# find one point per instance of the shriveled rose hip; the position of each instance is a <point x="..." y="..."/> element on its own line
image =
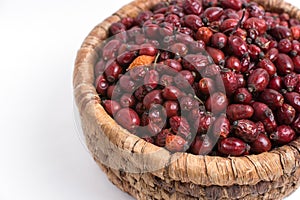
<point x="101" y="85"/>
<point x="204" y="34"/>
<point x="203" y="122"/>
<point x="192" y="7"/>
<point x="227" y="81"/>
<point x="246" y="130"/>
<point x="238" y="46"/>
<point x="239" y="111"/>
<point x="290" y="81"/>
<point x="272" y="54"/>
<point x="272" y="98"/>
<point x="216" y="103"/>
<point x="212" y="14"/>
<point x="261" y="144"/>
<point x="283" y="135"/>
<point x="286" y="114"/>
<point x="256" y="23"/>
<point x="232" y="146"/>
<point x="258" y="80"/>
<point x="233" y="4"/>
<point x="268" y="65"/>
<point x="293" y="98"/>
<point x="160" y="139"/>
<point x="242" y="96"/>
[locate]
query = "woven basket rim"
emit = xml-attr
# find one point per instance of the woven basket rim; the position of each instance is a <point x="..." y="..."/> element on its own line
<point x="89" y="105"/>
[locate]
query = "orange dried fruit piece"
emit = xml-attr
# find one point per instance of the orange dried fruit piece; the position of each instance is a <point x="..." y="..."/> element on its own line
<point x="141" y="61"/>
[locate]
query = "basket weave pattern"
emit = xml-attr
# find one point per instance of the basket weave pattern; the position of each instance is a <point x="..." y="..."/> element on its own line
<point x="127" y="160"/>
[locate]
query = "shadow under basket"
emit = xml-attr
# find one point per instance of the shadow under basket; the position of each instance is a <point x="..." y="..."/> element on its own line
<point x="146" y="171"/>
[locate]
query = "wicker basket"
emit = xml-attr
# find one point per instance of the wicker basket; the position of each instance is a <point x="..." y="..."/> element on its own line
<point x="146" y="171"/>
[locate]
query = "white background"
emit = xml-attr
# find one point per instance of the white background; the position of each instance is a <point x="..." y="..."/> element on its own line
<point x="41" y="154"/>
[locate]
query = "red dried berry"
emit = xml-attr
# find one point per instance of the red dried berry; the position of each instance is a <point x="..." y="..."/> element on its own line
<point x="232" y="146"/>
<point x="261" y="144"/>
<point x="283" y="135"/>
<point x="239" y="111"/>
<point x="175" y="143"/>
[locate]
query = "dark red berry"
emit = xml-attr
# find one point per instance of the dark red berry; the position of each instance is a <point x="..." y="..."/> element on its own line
<point x="284" y="64"/>
<point x="193" y="22"/>
<point x="219" y="40"/>
<point x="286" y="114"/>
<point x="184" y="79"/>
<point x="272" y="98"/>
<point x="113" y="71"/>
<point x="127" y="84"/>
<point x="151" y="79"/>
<point x="268" y="66"/>
<point x="232" y="146"/>
<point x="192" y="7"/>
<point x="242" y="96"/>
<point x="203" y="122"/>
<point x="283" y="135"/>
<point x="290" y="81"/>
<point x="160" y="139"/>
<point x="127" y="118"/>
<point x="256" y="23"/>
<point x="239" y="111"/>
<point x="261" y="144"/>
<point x="238" y="46"/>
<point x="293" y="98"/>
<point x="227" y="81"/>
<point x="116" y="28"/>
<point x="110" y="49"/>
<point x="246" y="130"/>
<point x="272" y="54"/>
<point x="281" y="32"/>
<point x="233" y="63"/>
<point x="207" y="86"/>
<point x="285" y="46"/>
<point x="276" y="83"/>
<point x="216" y="103"/>
<point x="258" y="80"/>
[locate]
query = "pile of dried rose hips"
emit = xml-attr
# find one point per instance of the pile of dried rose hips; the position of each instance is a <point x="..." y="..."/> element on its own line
<point x="215" y="77"/>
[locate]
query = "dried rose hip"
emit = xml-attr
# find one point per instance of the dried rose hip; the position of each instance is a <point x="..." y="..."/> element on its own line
<point x="232" y="146"/>
<point x="283" y="135"/>
<point x="245" y="129"/>
<point x="239" y="111"/>
<point x="261" y="144"/>
<point x="286" y="114"/>
<point x="258" y="80"/>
